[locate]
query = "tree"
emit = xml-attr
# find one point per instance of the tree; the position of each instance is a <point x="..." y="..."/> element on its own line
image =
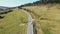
<point x="50" y="1"/>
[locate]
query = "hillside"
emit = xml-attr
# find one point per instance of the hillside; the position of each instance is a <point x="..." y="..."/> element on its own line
<point x="45" y="14"/>
<point x="46" y="18"/>
<point x="3" y="8"/>
<point x="14" y="22"/>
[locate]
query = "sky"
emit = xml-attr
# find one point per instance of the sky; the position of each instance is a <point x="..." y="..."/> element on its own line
<point x="14" y="3"/>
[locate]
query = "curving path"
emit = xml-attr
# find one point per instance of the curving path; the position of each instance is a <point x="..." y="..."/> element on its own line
<point x="30" y="25"/>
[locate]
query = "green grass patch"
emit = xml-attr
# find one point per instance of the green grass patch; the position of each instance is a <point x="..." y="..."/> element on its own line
<point x="12" y="22"/>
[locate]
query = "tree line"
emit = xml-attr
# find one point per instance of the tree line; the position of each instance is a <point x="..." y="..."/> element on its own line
<point x="41" y="2"/>
<point x="50" y="1"/>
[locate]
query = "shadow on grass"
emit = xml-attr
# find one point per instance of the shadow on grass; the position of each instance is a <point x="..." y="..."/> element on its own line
<point x="1" y="17"/>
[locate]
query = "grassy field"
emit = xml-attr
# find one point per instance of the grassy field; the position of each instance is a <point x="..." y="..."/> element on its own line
<point x="47" y="18"/>
<point x="14" y="22"/>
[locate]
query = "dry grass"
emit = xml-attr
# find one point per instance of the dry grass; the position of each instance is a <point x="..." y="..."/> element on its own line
<point x="48" y="21"/>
